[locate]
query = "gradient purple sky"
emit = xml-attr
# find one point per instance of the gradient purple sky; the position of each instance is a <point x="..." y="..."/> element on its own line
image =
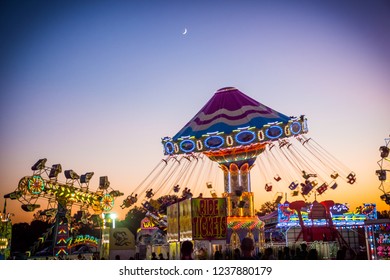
<point x="95" y="86"/>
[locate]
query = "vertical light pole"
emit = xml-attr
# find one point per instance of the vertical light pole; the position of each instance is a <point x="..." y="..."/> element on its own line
<point x="105" y="242"/>
<point x="113" y="216"/>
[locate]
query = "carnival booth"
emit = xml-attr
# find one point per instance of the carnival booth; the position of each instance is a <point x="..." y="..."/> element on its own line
<point x="378" y="239"/>
<point x="325" y="226"/>
<point x="122" y="244"/>
<point x="150" y="239"/>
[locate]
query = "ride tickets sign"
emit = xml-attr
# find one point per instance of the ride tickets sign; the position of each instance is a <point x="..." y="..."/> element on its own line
<point x="197" y="219"/>
<point x="208" y="218"/>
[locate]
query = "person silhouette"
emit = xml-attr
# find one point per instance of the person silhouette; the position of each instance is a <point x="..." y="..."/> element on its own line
<point x="186" y="250"/>
<point x="247" y="248"/>
<point x="268" y="254"/>
<point x="312" y="254"/>
<point x="236" y="254"/>
<point x="304" y="252"/>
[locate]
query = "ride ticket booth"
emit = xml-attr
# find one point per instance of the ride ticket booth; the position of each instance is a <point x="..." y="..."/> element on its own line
<point x="201" y="220"/>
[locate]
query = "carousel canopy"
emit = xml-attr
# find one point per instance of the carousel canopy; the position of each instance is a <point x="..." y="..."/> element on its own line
<point x="232" y="119"/>
<point x="228" y="110"/>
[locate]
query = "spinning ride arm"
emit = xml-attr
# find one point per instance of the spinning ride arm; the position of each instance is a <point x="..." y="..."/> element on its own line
<point x="30" y="188"/>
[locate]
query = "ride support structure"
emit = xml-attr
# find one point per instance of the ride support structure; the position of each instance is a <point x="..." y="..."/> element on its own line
<point x="43" y="185"/>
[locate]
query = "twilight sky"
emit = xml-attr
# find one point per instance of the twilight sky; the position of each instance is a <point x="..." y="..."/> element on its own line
<point x="95" y="86"/>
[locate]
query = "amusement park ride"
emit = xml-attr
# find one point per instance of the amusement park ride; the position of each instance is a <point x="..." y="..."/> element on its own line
<point x="237" y="132"/>
<point x="43" y="185"/>
<point x="232" y="133"/>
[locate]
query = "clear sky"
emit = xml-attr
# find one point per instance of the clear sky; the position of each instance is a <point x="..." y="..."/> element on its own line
<point x="95" y="86"/>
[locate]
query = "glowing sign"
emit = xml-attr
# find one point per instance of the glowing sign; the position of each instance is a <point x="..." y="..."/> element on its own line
<point x="209" y="218"/>
<point x="82" y="239"/>
<point x="146" y="223"/>
<point x="197" y="219"/>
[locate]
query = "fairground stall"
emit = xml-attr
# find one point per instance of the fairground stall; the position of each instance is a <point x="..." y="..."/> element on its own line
<point x="325" y="226"/>
<point x="378" y="239"/>
<point x="150" y="239"/>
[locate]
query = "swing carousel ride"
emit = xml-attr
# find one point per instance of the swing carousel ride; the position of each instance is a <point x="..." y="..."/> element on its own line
<point x="44" y="186"/>
<point x="234" y="133"/>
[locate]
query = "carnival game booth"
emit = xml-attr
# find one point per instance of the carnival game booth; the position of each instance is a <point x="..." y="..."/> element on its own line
<point x="150" y="239"/>
<point x="122" y="244"/>
<point x="325" y="226"/>
<point x="378" y="239"/>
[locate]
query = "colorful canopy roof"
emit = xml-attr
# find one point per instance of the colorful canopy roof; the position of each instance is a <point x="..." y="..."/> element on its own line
<point x="227" y="110"/>
<point x="232" y="119"/>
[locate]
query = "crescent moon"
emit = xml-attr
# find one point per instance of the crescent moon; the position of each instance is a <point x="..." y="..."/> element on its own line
<point x="185" y="31"/>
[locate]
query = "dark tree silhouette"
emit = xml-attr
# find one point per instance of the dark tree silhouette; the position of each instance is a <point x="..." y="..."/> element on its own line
<point x="267" y="208"/>
<point x="24" y="235"/>
<point x="133" y="219"/>
<point x="384" y="214"/>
